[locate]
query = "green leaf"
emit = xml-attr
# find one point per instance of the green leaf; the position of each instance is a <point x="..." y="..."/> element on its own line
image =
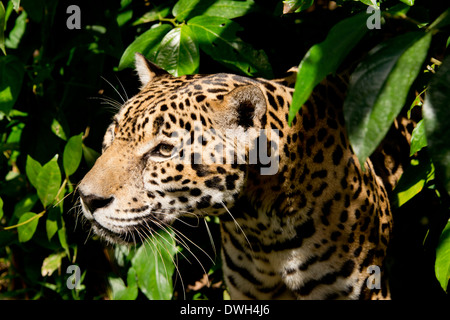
<point x="229" y="9"/>
<point x="52" y="263"/>
<point x="90" y="155"/>
<point x="120" y="291"/>
<point x="154" y="14"/>
<point x="418" y="138"/>
<point x="62" y="236"/>
<point x="24" y="205"/>
<point x="378" y="89"/>
<point x="217" y="38"/>
<point x="442" y="265"/>
<point x="324" y="58"/>
<point x="147" y="44"/>
<point x="2" y="28"/>
<point x="11" y="76"/>
<point x="72" y="154"/>
<point x="48" y="182"/>
<point x="441" y="21"/>
<point x="17" y="32"/>
<point x="436" y="113"/>
<point x="186" y="9"/>
<point x="291" y="6"/>
<point x="27" y="229"/>
<point x="16" y="5"/>
<point x="408" y="2"/>
<point x="178" y="53"/>
<point x="32" y="169"/>
<point x="154" y="266"/>
<point x="58" y="129"/>
<point x="1" y="208"/>
<point x="52" y="223"/>
<point x="413" y="180"/>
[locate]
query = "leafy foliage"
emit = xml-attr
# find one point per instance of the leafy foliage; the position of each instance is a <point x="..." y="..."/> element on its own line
<point x="52" y="120"/>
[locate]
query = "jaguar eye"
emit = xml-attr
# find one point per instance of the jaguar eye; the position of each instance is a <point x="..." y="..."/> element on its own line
<point x="164" y="150"/>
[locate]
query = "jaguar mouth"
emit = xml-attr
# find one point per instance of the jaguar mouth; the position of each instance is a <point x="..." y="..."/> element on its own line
<point x="130" y="234"/>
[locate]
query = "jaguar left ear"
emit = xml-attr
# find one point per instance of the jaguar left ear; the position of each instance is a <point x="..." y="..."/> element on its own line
<point x="147" y="70"/>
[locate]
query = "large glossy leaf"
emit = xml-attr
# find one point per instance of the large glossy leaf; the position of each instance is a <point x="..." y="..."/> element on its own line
<point x="72" y="154"/>
<point x="378" y="89"/>
<point x="186" y="9"/>
<point x="436" y="114"/>
<point x="325" y="58"/>
<point x="179" y="53"/>
<point x="147" y="44"/>
<point x="48" y="182"/>
<point x="11" y="76"/>
<point x="217" y="37"/>
<point x="442" y="265"/>
<point x="229" y="9"/>
<point x="154" y="266"/>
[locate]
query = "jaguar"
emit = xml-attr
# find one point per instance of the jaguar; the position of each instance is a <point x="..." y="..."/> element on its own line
<point x="316" y="227"/>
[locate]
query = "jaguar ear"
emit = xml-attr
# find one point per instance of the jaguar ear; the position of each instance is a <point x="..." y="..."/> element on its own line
<point x="146" y="69"/>
<point x="243" y="107"/>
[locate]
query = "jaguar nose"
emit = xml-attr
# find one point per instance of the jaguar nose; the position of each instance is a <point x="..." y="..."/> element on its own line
<point x="93" y="202"/>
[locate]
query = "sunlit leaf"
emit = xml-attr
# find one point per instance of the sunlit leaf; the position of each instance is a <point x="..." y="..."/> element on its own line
<point x="217" y="37"/>
<point x="52" y="223"/>
<point x="178" y="53"/>
<point x="379" y="87"/>
<point x="154" y="14"/>
<point x="147" y="44"/>
<point x="291" y="6"/>
<point x="32" y="170"/>
<point x="120" y="291"/>
<point x="72" y="154"/>
<point x="24" y="205"/>
<point x="186" y="9"/>
<point x="2" y="28"/>
<point x="442" y="265"/>
<point x="229" y="9"/>
<point x="418" y="138"/>
<point x="58" y="129"/>
<point x="52" y="263"/>
<point x="16" y="34"/>
<point x="1" y="208"/>
<point x="29" y="222"/>
<point x="408" y="2"/>
<point x="154" y="266"/>
<point x="324" y="58"/>
<point x="413" y="180"/>
<point x="48" y="182"/>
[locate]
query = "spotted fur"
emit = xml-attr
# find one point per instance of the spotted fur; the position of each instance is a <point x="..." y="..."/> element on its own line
<point x="312" y="230"/>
